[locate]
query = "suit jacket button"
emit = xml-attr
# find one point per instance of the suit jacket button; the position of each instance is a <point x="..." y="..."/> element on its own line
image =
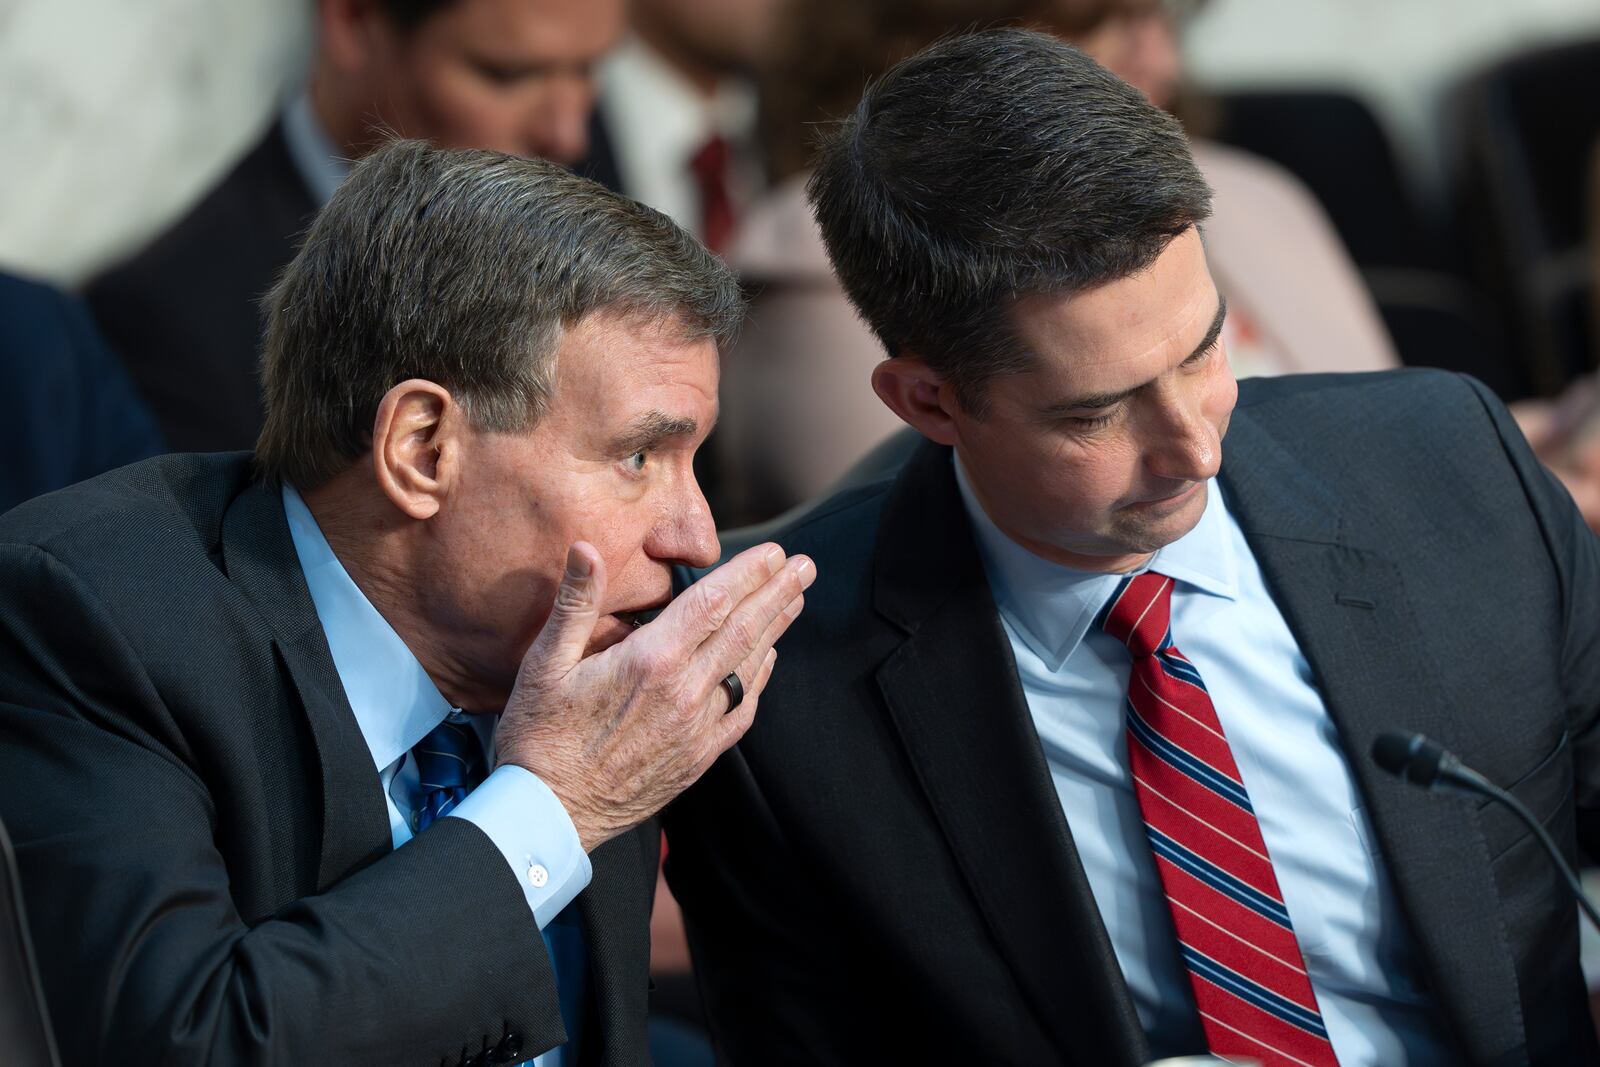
<point x="509" y="1049"/>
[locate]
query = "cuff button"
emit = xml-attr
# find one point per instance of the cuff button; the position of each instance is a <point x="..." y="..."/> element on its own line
<point x="538" y="877"/>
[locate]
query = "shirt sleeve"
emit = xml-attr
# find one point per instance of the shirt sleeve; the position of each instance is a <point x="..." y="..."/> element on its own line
<point x="531" y="828"/>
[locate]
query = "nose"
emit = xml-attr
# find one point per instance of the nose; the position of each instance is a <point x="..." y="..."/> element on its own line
<point x="558" y="128"/>
<point x="1187" y="445"/>
<point x="687" y="533"/>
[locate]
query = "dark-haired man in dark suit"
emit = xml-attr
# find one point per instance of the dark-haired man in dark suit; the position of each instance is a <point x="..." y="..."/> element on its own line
<point x="1067" y="760"/>
<point x="347" y="751"/>
<point x="508" y="75"/>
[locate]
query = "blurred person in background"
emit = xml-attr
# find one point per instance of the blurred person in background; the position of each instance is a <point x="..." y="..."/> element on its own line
<point x="73" y="409"/>
<point x="676" y="119"/>
<point x="796" y="416"/>
<point x="514" y="76"/>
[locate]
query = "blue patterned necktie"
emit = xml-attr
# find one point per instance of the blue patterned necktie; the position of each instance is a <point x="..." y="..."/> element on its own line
<point x="449" y="764"/>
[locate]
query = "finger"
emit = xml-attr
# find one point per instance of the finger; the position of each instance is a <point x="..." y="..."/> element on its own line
<point x="749" y="673"/>
<point x="741" y="634"/>
<point x="701" y="609"/>
<point x="573" y="615"/>
<point x="750" y="669"/>
<point x="733" y="725"/>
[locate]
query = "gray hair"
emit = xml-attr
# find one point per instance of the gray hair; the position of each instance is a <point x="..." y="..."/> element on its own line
<point x="987" y="168"/>
<point x="463" y="268"/>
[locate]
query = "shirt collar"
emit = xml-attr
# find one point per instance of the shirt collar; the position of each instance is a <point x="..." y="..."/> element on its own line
<point x="312" y="150"/>
<point x="394" y="700"/>
<point x="1051" y="607"/>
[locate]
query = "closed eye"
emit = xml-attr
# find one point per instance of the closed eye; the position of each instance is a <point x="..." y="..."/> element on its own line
<point x="510" y="73"/>
<point x="1202" y="355"/>
<point x="1089" y="422"/>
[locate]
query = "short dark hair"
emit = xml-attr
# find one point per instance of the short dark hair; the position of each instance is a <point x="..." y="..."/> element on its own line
<point x="409" y="14"/>
<point x="987" y="168"/>
<point x="464" y="268"/>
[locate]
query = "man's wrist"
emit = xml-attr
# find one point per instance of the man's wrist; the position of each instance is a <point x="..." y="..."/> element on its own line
<point x="531" y="827"/>
<point x="578" y="812"/>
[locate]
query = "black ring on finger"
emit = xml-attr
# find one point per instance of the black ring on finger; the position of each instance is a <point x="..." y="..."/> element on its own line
<point x="735" y="690"/>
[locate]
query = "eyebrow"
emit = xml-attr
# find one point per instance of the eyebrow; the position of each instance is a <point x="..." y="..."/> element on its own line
<point x="510" y="69"/>
<point x="1105" y="400"/>
<point x="531" y="66"/>
<point x="651" y="429"/>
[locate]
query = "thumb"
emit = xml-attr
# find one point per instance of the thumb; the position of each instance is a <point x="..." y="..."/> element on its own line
<point x="576" y="610"/>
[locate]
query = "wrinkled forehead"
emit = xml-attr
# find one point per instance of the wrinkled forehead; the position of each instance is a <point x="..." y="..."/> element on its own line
<point x="618" y="367"/>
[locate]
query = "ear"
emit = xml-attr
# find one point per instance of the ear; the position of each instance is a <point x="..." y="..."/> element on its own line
<point x="416" y="446"/>
<point x="919" y="395"/>
<point x="349" y="32"/>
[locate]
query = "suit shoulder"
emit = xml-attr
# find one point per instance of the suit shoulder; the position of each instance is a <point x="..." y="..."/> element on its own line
<point x="247" y="210"/>
<point x="1418" y="396"/>
<point x="135" y="517"/>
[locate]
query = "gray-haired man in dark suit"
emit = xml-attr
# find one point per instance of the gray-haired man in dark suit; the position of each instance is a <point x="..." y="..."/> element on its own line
<point x="347" y="751"/>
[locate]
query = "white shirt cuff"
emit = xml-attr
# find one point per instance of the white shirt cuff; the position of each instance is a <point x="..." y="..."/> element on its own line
<point x="529" y="826"/>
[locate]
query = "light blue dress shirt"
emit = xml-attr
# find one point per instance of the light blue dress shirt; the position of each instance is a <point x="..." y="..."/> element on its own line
<point x="396" y="704"/>
<point x="1359" y="954"/>
<point x="311" y="149"/>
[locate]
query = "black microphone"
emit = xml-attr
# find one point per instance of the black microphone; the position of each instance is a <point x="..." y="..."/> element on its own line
<point x="1416" y="759"/>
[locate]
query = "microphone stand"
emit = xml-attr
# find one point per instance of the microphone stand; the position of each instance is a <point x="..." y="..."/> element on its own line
<point x="1422" y="762"/>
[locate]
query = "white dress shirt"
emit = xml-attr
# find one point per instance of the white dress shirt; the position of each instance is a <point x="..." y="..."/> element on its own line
<point x="396" y="704"/>
<point x="1359" y="955"/>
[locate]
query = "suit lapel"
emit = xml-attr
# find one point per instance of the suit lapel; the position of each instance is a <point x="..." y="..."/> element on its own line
<point x="952" y="693"/>
<point x="1348" y="608"/>
<point x="260" y="559"/>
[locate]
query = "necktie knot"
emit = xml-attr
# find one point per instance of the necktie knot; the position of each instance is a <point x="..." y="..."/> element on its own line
<point x="1140" y="614"/>
<point x="710" y="160"/>
<point x="709" y="165"/>
<point x="449" y="764"/>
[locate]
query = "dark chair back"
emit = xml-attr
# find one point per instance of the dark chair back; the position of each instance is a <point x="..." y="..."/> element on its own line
<point x="1526" y="131"/>
<point x="1417" y="272"/>
<point x="25" y="1036"/>
<point x="1333" y="142"/>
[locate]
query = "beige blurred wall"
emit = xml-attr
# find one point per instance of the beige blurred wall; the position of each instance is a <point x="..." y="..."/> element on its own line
<point x="115" y="114"/>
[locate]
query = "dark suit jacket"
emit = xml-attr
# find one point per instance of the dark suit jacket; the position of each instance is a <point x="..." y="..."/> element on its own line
<point x="881" y="871"/>
<point x="203" y="840"/>
<point x="74" y="413"/>
<point x="185" y="312"/>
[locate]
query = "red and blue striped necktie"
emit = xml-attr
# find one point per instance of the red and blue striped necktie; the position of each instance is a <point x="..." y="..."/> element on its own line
<point x="1234" y="933"/>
